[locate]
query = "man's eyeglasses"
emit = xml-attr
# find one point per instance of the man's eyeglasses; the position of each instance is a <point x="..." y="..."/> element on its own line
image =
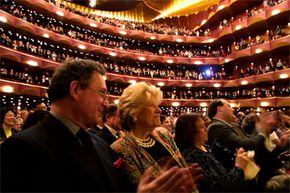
<point x="102" y="93"/>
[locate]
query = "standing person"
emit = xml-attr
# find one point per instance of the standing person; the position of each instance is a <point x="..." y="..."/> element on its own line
<point x="112" y="128"/>
<point x="8" y="120"/>
<point x="225" y="139"/>
<point x="58" y="155"/>
<point x="143" y="145"/>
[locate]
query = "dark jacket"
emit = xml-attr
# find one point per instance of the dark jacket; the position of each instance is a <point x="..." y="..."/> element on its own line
<point x="48" y="157"/>
<point x="106" y="135"/>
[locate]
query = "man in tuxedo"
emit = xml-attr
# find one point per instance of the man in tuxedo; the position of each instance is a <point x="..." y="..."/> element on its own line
<point x="112" y="128"/>
<point x="59" y="155"/>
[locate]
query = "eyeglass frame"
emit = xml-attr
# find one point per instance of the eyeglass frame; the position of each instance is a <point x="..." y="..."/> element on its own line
<point x="102" y="93"/>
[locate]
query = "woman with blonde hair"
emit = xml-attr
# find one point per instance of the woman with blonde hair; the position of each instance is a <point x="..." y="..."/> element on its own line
<point x="143" y="146"/>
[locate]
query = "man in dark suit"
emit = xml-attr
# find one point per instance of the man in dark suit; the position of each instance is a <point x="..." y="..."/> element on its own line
<point x="112" y="128"/>
<point x="224" y="139"/>
<point x="59" y="155"/>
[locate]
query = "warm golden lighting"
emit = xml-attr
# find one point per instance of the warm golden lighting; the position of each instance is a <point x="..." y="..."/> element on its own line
<point x="104" y="77"/>
<point x="175" y="104"/>
<point x="93" y="25"/>
<point x="203" y="22"/>
<point x="169" y="61"/>
<point x="198" y="62"/>
<point x="132" y="81"/>
<point x="216" y="85"/>
<point x="203" y="104"/>
<point x="238" y="27"/>
<point x="60" y="13"/>
<point x="179" y="40"/>
<point x="211" y="40"/>
<point x="160" y="84"/>
<point x="116" y="101"/>
<point x="220" y="7"/>
<point x="32" y="63"/>
<point x="123" y="32"/>
<point x="188" y="85"/>
<point x="244" y="82"/>
<point x="152" y="37"/>
<point x="82" y="47"/>
<point x="176" y="6"/>
<point x="142" y="58"/>
<point x="259" y="50"/>
<point x="265" y="104"/>
<point x="275" y="12"/>
<point x="283" y="76"/>
<point x="7" y="89"/>
<point x="113" y="54"/>
<point x="3" y="19"/>
<point x="227" y="60"/>
<point x="45" y="35"/>
<point x="233" y="105"/>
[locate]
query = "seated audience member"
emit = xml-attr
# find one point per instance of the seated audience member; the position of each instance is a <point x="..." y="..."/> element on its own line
<point x="33" y="118"/>
<point x="166" y="122"/>
<point x="112" y="128"/>
<point x="59" y="155"/>
<point x="41" y="106"/>
<point x="8" y="120"/>
<point x="144" y="146"/>
<point x="99" y="125"/>
<point x="191" y="136"/>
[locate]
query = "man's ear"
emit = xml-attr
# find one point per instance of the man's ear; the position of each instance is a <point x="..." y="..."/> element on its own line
<point x="74" y="89"/>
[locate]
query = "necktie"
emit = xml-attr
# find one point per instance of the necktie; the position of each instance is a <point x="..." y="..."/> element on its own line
<point x="86" y="141"/>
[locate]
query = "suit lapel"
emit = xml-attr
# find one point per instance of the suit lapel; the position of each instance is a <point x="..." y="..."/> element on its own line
<point x="70" y="149"/>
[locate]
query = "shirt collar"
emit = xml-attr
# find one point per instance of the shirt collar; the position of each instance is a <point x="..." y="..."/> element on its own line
<point x="113" y="131"/>
<point x="72" y="127"/>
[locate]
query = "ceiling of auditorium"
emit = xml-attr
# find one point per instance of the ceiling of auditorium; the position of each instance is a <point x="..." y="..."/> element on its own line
<point x="149" y="9"/>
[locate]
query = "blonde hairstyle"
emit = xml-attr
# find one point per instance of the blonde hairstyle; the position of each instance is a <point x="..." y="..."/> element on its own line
<point x="134" y="98"/>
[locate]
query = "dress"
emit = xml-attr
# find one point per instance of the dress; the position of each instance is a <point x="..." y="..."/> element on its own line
<point x="215" y="177"/>
<point x="135" y="159"/>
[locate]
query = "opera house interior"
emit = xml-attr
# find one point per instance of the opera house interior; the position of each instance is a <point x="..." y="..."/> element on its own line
<point x="197" y="52"/>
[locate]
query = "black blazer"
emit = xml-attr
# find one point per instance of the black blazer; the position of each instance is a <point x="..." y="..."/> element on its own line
<point x="48" y="157"/>
<point x="224" y="140"/>
<point x="106" y="135"/>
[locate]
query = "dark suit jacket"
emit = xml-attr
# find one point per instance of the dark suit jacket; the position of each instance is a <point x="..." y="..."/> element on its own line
<point x="229" y="140"/>
<point x="48" y="157"/>
<point x="106" y="135"/>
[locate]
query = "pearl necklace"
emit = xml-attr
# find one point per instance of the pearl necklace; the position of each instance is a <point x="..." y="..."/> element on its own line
<point x="148" y="142"/>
